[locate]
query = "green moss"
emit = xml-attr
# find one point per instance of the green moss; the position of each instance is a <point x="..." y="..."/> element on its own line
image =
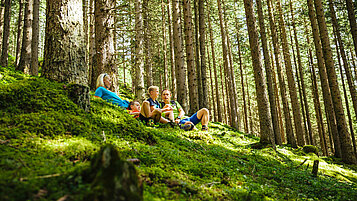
<point x="310" y="149"/>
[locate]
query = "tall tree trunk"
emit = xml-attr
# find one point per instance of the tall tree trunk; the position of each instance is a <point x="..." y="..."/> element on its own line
<point x="217" y="100"/>
<point x="354" y="63"/>
<point x="147" y="49"/>
<point x="2" y="8"/>
<point x="301" y="73"/>
<point x="179" y="57"/>
<point x="35" y="37"/>
<point x="202" y="35"/>
<point x="345" y="140"/>
<point x="346" y="66"/>
<point x="172" y="52"/>
<point x="25" y="58"/>
<point x="212" y="106"/>
<point x="64" y="45"/>
<point x="246" y="129"/>
<point x="233" y="110"/>
<point x="163" y="19"/>
<point x="191" y="74"/>
<point x="266" y="128"/>
<point x="271" y="91"/>
<point x="324" y="81"/>
<point x="19" y="31"/>
<point x="353" y="24"/>
<point x="85" y="5"/>
<point x="290" y="76"/>
<point x="92" y="79"/>
<point x="345" y="91"/>
<point x="251" y="128"/>
<point x="139" y="51"/>
<point x="288" y="123"/>
<point x="6" y="34"/>
<point x="224" y="96"/>
<point x="197" y="55"/>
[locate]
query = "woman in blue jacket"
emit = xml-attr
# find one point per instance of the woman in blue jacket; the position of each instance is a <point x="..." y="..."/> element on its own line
<point x="103" y="84"/>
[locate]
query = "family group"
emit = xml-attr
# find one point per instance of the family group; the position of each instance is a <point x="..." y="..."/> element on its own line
<point x="166" y="112"/>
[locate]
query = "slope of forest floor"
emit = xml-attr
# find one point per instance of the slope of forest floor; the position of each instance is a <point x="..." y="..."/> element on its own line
<point x="45" y="139"/>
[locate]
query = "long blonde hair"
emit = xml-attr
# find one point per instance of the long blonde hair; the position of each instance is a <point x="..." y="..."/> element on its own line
<point x="100" y="80"/>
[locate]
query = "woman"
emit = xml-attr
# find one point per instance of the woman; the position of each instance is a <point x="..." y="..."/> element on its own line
<point x="103" y="84"/>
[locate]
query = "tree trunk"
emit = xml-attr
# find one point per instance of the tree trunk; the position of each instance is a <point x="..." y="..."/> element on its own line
<point x="172" y="52"/>
<point x="104" y="40"/>
<point x="25" y="58"/>
<point x="271" y="91"/>
<point x="19" y="31"/>
<point x="251" y="128"/>
<point x="301" y="73"/>
<point x="163" y="19"/>
<point x="202" y="35"/>
<point x="345" y="140"/>
<point x="288" y="124"/>
<point x="2" y="8"/>
<point x="35" y="37"/>
<point x="266" y="128"/>
<point x="179" y="57"/>
<point x="324" y="81"/>
<point x="233" y="110"/>
<point x="92" y="78"/>
<point x="139" y="52"/>
<point x="64" y="45"/>
<point x="213" y="108"/>
<point x="217" y="100"/>
<point x="191" y="74"/>
<point x="147" y="49"/>
<point x="246" y="128"/>
<point x="352" y="19"/>
<point x="290" y="76"/>
<point x="197" y="55"/>
<point x="6" y="34"/>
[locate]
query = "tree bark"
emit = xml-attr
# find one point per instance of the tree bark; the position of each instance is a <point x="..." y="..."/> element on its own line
<point x="35" y="37"/>
<point x="2" y="8"/>
<point x="202" y="35"/>
<point x="191" y="74"/>
<point x="19" y="31"/>
<point x="147" y="49"/>
<point x="213" y="108"/>
<point x="92" y="79"/>
<point x="345" y="140"/>
<point x="139" y="52"/>
<point x="172" y="52"/>
<point x="197" y="55"/>
<point x="324" y="81"/>
<point x="163" y="19"/>
<point x="290" y="77"/>
<point x="217" y="99"/>
<point x="271" y="91"/>
<point x="6" y="34"/>
<point x="288" y="124"/>
<point x="64" y="59"/>
<point x="179" y="57"/>
<point x="353" y="24"/>
<point x="25" y="58"/>
<point x="266" y="128"/>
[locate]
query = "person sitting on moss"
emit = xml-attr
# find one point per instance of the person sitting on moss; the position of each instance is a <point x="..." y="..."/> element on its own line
<point x="103" y="84"/>
<point x="134" y="109"/>
<point x="151" y="109"/>
<point x="178" y="114"/>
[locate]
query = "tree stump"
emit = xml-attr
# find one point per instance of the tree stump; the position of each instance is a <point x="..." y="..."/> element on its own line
<point x="79" y="94"/>
<point x="113" y="178"/>
<point x="315" y="168"/>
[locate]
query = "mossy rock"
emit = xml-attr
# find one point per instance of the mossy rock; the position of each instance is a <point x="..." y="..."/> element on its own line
<point x="310" y="149"/>
<point x="112" y="178"/>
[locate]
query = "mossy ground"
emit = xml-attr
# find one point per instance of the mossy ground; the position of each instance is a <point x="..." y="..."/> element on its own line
<point x="46" y="141"/>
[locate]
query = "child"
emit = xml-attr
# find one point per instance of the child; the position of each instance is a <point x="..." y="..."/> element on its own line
<point x="134" y="108"/>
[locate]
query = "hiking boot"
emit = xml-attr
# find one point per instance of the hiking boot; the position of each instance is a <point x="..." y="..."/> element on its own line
<point x="187" y="127"/>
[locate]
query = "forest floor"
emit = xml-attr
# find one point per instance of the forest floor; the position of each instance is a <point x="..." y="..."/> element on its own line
<point x="45" y="139"/>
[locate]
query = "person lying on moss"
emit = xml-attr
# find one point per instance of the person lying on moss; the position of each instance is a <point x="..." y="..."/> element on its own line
<point x="178" y="114"/>
<point x="104" y="82"/>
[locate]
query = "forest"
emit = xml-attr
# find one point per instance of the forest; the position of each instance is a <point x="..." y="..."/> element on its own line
<point x="278" y="77"/>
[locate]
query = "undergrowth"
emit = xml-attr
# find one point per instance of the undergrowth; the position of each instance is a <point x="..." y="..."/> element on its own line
<point x="46" y="141"/>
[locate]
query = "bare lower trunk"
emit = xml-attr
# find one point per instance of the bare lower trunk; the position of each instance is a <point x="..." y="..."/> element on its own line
<point x="35" y="37"/>
<point x="6" y="34"/>
<point x="172" y="53"/>
<point x="25" y="58"/>
<point x="19" y="31"/>
<point x="139" y="58"/>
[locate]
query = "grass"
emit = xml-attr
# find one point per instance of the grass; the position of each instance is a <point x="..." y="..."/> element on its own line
<point x="46" y="141"/>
